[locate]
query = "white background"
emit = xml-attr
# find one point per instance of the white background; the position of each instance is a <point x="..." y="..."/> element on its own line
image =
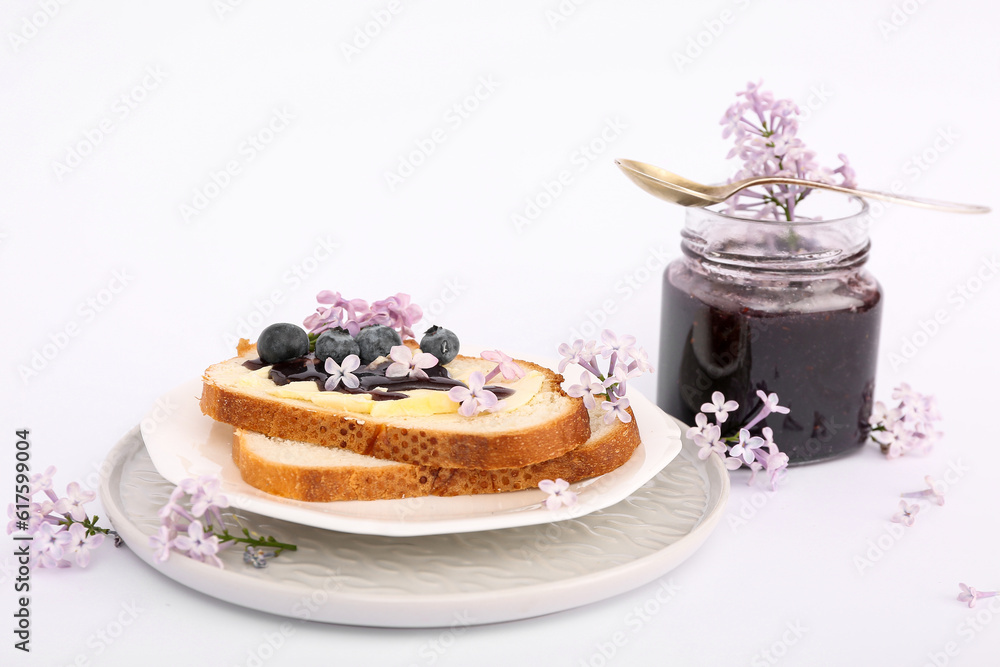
<point x="885" y="82"/>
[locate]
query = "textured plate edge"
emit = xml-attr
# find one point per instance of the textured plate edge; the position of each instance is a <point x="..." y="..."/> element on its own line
<point x="419" y="611"/>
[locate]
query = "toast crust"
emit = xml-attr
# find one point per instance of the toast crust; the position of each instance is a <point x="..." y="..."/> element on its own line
<point x="401" y="439"/>
<point x="602" y="453"/>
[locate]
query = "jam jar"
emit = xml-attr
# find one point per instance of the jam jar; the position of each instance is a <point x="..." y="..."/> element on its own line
<point x="783" y="307"/>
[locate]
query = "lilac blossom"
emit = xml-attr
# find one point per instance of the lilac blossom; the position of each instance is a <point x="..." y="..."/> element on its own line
<point x="764" y="132"/>
<point x="559" y="493"/>
<point x="933" y="492"/>
<point x="79" y="545"/>
<point x="342" y="372"/>
<point x="616" y="409"/>
<point x="72" y="504"/>
<point x="580" y="353"/>
<point x="700" y="422"/>
<point x="720" y="407"/>
<point x="588" y="389"/>
<point x="474" y="398"/>
<point x="49" y="545"/>
<point x="709" y="442"/>
<point x="908" y="428"/>
<point x="162" y="542"/>
<point x="907" y="513"/>
<point x="745" y="446"/>
<point x="969" y="595"/>
<point x="355" y="314"/>
<point x="205" y="497"/>
<point x="505" y="366"/>
<point x="407" y="364"/>
<point x="198" y="545"/>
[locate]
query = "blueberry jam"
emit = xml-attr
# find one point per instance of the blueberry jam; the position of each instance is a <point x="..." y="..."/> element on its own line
<point x="818" y="354"/>
<point x="391" y="388"/>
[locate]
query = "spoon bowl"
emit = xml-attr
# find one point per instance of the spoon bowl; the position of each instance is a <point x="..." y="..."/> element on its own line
<point x="679" y="190"/>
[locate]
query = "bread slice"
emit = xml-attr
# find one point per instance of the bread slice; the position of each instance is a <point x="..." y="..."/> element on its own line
<point x="314" y="473"/>
<point x="546" y="427"/>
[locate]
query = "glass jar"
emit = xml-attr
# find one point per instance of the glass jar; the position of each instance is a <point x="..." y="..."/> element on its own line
<point x="783" y="307"/>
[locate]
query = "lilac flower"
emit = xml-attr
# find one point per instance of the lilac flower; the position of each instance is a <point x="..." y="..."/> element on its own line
<point x="474" y="398"/>
<point x="407" y="364"/>
<point x="773" y="461"/>
<point x="934" y="491"/>
<point x="73" y="503"/>
<point x="617" y="381"/>
<point x="342" y="372"/>
<point x="910" y="427"/>
<point x="559" y="493"/>
<point x="162" y="542"/>
<point x="42" y="481"/>
<point x="746" y="446"/>
<point x="700" y="421"/>
<point x="577" y="353"/>
<point x="587" y="389"/>
<point x="398" y="312"/>
<point x="764" y="132"/>
<point x="720" y="406"/>
<point x="770" y="405"/>
<point x="205" y="496"/>
<point x="641" y="360"/>
<point x="709" y="441"/>
<point x="505" y="365"/>
<point x="616" y="409"/>
<point x="907" y="514"/>
<point x="198" y="545"/>
<point x="49" y="543"/>
<point x="257" y="556"/>
<point x="612" y="345"/>
<point x="969" y="595"/>
<point x="79" y="545"/>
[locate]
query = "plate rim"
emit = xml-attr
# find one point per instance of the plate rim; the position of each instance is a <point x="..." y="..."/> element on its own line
<point x="431" y="610"/>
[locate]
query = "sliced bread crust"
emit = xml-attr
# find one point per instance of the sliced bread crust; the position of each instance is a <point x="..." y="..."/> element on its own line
<point x="548" y="426"/>
<point x="312" y="473"/>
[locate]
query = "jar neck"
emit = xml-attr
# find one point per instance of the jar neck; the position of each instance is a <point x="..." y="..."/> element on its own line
<point x="725" y="243"/>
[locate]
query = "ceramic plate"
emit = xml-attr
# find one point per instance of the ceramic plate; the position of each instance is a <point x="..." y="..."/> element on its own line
<point x="183" y="442"/>
<point x="439" y="580"/>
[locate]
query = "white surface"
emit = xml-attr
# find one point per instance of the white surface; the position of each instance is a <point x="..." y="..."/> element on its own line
<point x="413" y="582"/>
<point x="599" y="247"/>
<point x="189" y="444"/>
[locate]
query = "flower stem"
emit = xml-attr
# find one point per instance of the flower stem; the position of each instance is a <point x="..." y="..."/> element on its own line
<point x="268" y="541"/>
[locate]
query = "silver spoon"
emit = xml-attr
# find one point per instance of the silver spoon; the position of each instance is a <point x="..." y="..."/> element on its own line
<point x="679" y="190"/>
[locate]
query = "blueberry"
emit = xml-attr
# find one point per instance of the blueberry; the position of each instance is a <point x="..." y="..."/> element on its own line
<point x="376" y="341"/>
<point x="441" y="342"/>
<point x="281" y="342"/>
<point x="335" y="343"/>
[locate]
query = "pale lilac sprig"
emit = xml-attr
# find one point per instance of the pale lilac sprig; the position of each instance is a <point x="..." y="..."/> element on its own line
<point x="559" y="493"/>
<point x="407" y="364"/>
<point x="354" y="314"/>
<point x="764" y="132"/>
<point x="970" y="595"/>
<point x="758" y="453"/>
<point x="475" y="398"/>
<point x="909" y="427"/>
<point x="199" y="531"/>
<point x="61" y="527"/>
<point x="505" y="365"/>
<point x="625" y="361"/>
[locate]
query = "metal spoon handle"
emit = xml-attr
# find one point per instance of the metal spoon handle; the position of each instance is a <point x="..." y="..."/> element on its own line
<point x="919" y="202"/>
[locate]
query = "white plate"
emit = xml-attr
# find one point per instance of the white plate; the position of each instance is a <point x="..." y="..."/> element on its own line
<point x="183" y="442"/>
<point x="440" y="580"/>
